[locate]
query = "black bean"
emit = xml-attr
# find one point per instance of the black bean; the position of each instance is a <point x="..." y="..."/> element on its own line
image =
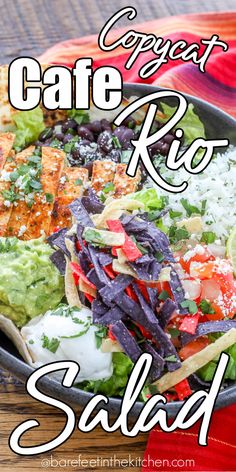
<point x="68" y="124"/>
<point x="124" y="135"/>
<point x="129" y="122"/>
<point x="59" y="136"/>
<point x="46" y="133"/>
<point x="155" y="148"/>
<point x="95" y="126"/>
<point x="85" y="133"/>
<point x="106" y="125"/>
<point x="168" y="138"/>
<point x="104" y="141"/>
<point x="164" y="149"/>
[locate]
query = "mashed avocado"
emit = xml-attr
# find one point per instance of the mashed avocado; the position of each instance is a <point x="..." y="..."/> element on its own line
<point x="29" y="283"/>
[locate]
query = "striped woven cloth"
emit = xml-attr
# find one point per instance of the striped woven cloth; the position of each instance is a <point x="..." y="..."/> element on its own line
<point x="217" y="85"/>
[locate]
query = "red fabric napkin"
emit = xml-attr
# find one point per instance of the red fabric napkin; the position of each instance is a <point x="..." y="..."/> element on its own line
<point x="217" y="85"/>
<point x="173" y="451"/>
<point x="180" y="450"/>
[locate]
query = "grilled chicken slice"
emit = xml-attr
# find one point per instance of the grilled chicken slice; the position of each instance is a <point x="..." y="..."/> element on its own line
<point x="11" y="215"/>
<point x="6" y="144"/>
<point x="103" y="173"/>
<point x="71" y="186"/>
<point x="40" y="216"/>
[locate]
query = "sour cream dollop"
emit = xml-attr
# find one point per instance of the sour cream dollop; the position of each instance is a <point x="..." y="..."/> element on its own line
<point x="67" y="334"/>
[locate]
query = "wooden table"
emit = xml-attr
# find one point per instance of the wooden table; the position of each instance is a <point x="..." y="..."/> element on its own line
<point x="28" y="27"/>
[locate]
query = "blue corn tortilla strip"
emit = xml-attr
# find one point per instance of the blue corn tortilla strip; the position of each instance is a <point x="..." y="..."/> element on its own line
<point x="94" y="256"/>
<point x="147" y="268"/>
<point x="80" y="213"/>
<point x="92" y="204"/>
<point x="126" y="340"/>
<point x="84" y="260"/>
<point x="207" y="328"/>
<point x="178" y="291"/>
<point x="153" y="297"/>
<point x="92" y="276"/>
<point x="158" y="362"/>
<point x="57" y="240"/>
<point x="58" y="259"/>
<point x="112" y="316"/>
<point x="104" y="259"/>
<point x="166" y="311"/>
<point x="115" y="287"/>
<point x="98" y="308"/>
<point x="151" y="324"/>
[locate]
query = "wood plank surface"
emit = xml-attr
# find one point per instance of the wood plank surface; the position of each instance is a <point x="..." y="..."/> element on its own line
<point x="28" y="27"/>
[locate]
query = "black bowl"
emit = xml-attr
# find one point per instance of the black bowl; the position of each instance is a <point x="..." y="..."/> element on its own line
<point x="218" y="125"/>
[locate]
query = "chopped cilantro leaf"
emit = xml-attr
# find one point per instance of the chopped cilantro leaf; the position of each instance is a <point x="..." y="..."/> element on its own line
<point x="50" y="344"/>
<point x="171" y="358"/>
<point x="99" y="335"/>
<point x="49" y="197"/>
<point x="190" y="209"/>
<point x="177" y="234"/>
<point x="79" y="182"/>
<point x="159" y="256"/>
<point x="116" y="142"/>
<point x="206" y="307"/>
<point x="208" y="237"/>
<point x="163" y="295"/>
<point x="190" y="305"/>
<point x="109" y="187"/>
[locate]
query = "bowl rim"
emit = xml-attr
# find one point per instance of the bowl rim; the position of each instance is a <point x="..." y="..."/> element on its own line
<point x="78" y="397"/>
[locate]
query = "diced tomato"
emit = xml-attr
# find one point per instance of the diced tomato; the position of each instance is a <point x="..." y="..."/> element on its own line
<point x="203" y="270"/>
<point x="193" y="347"/>
<point x="183" y="389"/>
<point x="129" y="248"/>
<point x="189" y="323"/>
<point x="109" y="271"/>
<point x="186" y="261"/>
<point x="210" y="290"/>
<point x="56" y="229"/>
<point x="78" y="272"/>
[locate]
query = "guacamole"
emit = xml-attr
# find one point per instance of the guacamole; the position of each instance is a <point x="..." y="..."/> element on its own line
<point x="29" y="282"/>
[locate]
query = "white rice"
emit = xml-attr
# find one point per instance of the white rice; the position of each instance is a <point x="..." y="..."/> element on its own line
<point x="216" y="185"/>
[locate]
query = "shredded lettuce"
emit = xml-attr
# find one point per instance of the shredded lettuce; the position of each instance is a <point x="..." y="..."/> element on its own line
<point x="190" y="123"/>
<point x="153" y="204"/>
<point x="29" y="125"/>
<point x="150" y="199"/>
<point x="206" y="373"/>
<point x="115" y="385"/>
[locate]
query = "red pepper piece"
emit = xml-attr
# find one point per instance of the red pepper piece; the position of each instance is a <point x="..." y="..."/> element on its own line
<point x="144" y="332"/>
<point x="56" y="229"/>
<point x="189" y="323"/>
<point x="129" y="248"/>
<point x="143" y="289"/>
<point x="183" y="389"/>
<point x="131" y="293"/>
<point x="78" y="271"/>
<point x="89" y="297"/>
<point x="76" y="278"/>
<point x="110" y="335"/>
<point x="109" y="271"/>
